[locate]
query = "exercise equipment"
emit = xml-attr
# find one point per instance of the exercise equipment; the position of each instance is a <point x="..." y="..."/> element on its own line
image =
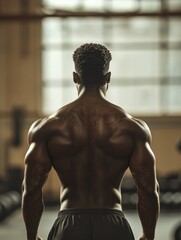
<point x="14" y="178"/>
<point x="9" y="202"/>
<point x="17" y="122"/>
<point x="179" y="145"/>
<point x="177" y="233"/>
<point x="129" y="193"/>
<point x="170" y="192"/>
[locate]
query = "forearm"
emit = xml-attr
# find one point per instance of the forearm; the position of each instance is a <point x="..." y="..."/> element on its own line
<point x="32" y="209"/>
<point x="148" y="209"/>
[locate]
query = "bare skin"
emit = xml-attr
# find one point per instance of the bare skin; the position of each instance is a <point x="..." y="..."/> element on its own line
<point x="90" y="143"/>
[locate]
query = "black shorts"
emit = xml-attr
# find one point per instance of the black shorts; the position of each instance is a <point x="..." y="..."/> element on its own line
<point x="91" y="224"/>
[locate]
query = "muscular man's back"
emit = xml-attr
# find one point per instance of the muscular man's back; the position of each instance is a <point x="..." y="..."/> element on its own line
<point x="90" y="151"/>
<point x="90" y="143"/>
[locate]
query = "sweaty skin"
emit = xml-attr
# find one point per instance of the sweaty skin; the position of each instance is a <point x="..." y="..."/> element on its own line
<point x="90" y="143"/>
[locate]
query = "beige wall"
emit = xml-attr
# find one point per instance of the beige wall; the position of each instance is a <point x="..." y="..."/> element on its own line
<point x="20" y="60"/>
<point x="20" y="85"/>
<point x="166" y="132"/>
<point x="20" y="75"/>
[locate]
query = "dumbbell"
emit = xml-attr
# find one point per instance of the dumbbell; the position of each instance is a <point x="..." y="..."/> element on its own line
<point x="8" y="203"/>
<point x="177" y="233"/>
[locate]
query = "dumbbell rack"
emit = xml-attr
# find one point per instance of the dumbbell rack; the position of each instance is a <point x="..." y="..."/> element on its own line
<point x="170" y="193"/>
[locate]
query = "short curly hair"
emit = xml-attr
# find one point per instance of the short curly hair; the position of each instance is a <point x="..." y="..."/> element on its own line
<point x="92" y="62"/>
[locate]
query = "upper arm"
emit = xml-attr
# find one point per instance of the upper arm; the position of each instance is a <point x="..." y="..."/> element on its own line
<point x="143" y="164"/>
<point x="37" y="163"/>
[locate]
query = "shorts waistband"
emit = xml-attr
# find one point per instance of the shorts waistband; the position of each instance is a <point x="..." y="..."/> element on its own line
<point x="90" y="211"/>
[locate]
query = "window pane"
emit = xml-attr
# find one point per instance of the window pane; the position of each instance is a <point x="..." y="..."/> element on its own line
<point x="134" y="30"/>
<point x="175" y="64"/>
<point x="124" y="5"/>
<point x="173" y="98"/>
<point x="52" y="99"/>
<point x="135" y="64"/>
<point x="51" y="31"/>
<point x="52" y="65"/>
<point x="56" y="97"/>
<point x="174" y="4"/>
<point x="69" y="94"/>
<point x="67" y="64"/>
<point x="136" y="99"/>
<point x="153" y="5"/>
<point x="175" y="29"/>
<point x="93" y="4"/>
<point x="61" y="4"/>
<point x="81" y="31"/>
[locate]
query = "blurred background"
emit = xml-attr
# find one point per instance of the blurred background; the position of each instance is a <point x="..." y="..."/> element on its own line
<point x="37" y="40"/>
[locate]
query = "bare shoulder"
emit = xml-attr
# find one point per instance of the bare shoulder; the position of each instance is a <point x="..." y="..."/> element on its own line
<point x="139" y="129"/>
<point x="135" y="127"/>
<point x="42" y="128"/>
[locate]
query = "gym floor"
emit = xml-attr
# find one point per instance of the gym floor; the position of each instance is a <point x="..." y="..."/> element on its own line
<point x="13" y="227"/>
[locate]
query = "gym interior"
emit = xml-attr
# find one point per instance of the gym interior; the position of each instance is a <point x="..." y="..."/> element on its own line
<point x="37" y="39"/>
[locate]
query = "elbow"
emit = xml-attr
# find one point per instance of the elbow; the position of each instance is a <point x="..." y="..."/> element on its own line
<point x="31" y="191"/>
<point x="156" y="190"/>
<point x="31" y="197"/>
<point x="157" y="187"/>
<point x="149" y="190"/>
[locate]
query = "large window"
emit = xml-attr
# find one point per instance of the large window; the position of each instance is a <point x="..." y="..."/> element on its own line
<point x="146" y="51"/>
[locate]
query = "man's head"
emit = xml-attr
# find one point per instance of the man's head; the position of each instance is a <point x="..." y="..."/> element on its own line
<point x="92" y="64"/>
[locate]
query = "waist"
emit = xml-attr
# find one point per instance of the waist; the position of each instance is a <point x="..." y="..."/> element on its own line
<point x="91" y="211"/>
<point x="81" y="199"/>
